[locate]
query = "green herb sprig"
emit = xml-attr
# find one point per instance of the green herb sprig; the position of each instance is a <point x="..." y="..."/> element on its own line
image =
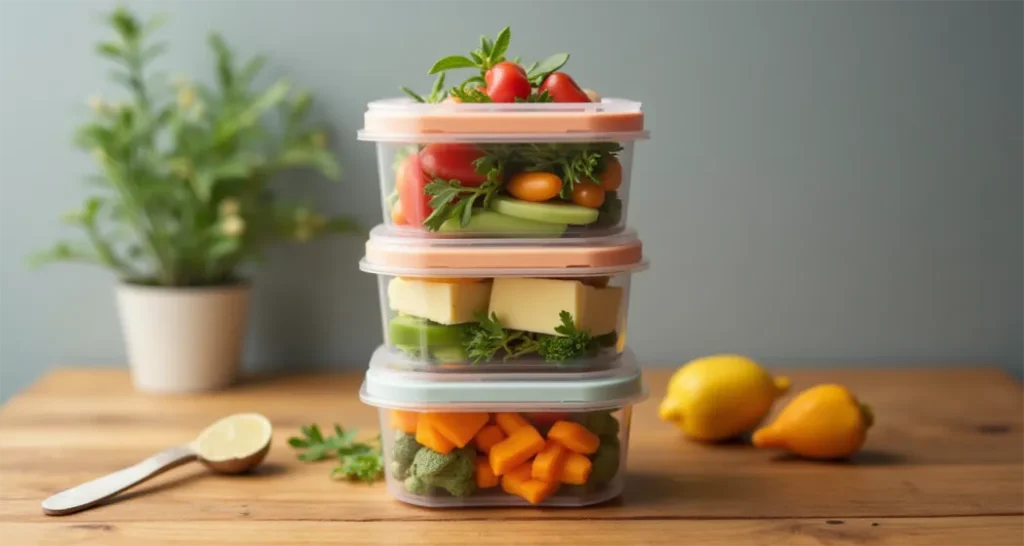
<point x="450" y="199"/>
<point x="358" y="461"/>
<point x="486" y="338"/>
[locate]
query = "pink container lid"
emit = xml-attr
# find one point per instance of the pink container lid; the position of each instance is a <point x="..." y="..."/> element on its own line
<point x="404" y="120"/>
<point x="391" y="254"/>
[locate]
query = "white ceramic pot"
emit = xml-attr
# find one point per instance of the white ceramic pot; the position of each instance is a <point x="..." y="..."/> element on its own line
<point x="183" y="339"/>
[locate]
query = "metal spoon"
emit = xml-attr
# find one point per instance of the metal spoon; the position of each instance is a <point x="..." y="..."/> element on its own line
<point x="231" y="445"/>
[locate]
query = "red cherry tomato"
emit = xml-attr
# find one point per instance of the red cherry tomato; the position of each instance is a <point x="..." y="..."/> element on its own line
<point x="415" y="204"/>
<point x="588" y="194"/>
<point x="452" y="162"/>
<point x="563" y="88"/>
<point x="506" y="81"/>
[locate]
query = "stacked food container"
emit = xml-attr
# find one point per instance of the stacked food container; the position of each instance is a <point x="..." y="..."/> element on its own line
<point x="504" y="268"/>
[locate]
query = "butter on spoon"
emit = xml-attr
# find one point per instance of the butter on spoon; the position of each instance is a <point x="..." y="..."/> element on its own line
<point x="231" y="445"/>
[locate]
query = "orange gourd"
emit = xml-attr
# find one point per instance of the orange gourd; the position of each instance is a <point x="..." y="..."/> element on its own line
<point x="510" y="422"/>
<point x="457" y="428"/>
<point x="404" y="421"/>
<point x="515" y="450"/>
<point x="576" y="469"/>
<point x="485" y="478"/>
<point x="488" y="437"/>
<point x="428" y="436"/>
<point x="575" y="437"/>
<point x="547" y="465"/>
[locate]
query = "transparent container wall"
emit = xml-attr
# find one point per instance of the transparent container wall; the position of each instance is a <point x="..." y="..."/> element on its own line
<point x="505" y="324"/>
<point x="543" y="456"/>
<point x="440" y="189"/>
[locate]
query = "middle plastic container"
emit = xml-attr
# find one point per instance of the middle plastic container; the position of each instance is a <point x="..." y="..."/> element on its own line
<point x="503" y="305"/>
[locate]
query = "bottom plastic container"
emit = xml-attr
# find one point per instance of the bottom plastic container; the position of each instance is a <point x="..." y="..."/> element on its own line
<point x="511" y="440"/>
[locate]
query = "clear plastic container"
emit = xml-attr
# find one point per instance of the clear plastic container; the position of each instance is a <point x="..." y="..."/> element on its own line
<point x="538" y="170"/>
<point x="503" y="305"/>
<point x="516" y="440"/>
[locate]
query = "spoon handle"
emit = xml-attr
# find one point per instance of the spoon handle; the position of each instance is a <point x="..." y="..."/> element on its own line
<point x="90" y="493"/>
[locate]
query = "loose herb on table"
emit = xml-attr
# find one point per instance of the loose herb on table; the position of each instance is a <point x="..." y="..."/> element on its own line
<point x="357" y="461"/>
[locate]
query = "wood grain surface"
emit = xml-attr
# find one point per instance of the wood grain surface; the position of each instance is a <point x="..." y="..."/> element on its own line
<point x="944" y="464"/>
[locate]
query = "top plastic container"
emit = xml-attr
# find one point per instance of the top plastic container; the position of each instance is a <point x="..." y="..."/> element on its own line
<point x="504" y="169"/>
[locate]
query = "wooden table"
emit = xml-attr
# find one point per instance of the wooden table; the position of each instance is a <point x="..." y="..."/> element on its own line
<point x="943" y="465"/>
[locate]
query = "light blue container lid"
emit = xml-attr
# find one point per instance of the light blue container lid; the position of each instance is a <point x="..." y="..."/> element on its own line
<point x="585" y="391"/>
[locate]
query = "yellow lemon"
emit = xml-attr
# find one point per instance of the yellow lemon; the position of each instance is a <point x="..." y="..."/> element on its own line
<point x="823" y="422"/>
<point x="721" y="396"/>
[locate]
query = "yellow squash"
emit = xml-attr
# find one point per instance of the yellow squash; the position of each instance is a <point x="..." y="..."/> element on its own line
<point x="823" y="422"/>
<point x="721" y="396"/>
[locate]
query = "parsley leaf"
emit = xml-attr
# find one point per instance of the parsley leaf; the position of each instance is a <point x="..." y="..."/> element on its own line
<point x="488" y="338"/>
<point x="358" y="461"/>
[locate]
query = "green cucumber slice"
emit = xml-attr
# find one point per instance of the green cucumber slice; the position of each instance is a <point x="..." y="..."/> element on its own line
<point x="485" y="221"/>
<point x="555" y="212"/>
<point x="420" y="332"/>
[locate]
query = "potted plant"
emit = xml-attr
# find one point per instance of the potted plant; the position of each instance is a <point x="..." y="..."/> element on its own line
<point x="183" y="203"/>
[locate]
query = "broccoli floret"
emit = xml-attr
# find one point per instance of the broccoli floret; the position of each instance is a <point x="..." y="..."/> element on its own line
<point x="416" y="486"/>
<point x="403" y="451"/>
<point x="605" y="463"/>
<point x="602" y="424"/>
<point x="452" y="472"/>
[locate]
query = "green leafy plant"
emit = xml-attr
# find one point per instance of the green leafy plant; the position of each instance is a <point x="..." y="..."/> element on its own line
<point x="183" y="198"/>
<point x="357" y="461"/>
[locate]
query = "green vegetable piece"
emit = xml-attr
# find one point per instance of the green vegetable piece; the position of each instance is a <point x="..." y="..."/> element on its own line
<point x="416" y="486"/>
<point x="452" y="472"/>
<point x="554" y="212"/>
<point x="610" y="212"/>
<point x="485" y="221"/>
<point x="420" y="332"/>
<point x="448" y="354"/>
<point x="403" y="451"/>
<point x="605" y="463"/>
<point x="601" y="423"/>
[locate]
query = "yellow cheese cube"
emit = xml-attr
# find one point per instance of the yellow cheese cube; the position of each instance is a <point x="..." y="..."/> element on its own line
<point x="533" y="305"/>
<point x="441" y="302"/>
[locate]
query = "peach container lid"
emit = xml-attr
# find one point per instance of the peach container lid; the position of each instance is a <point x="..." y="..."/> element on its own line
<point x="391" y="254"/>
<point x="404" y="120"/>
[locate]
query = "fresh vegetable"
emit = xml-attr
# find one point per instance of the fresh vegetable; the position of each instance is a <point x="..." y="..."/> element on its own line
<point x="506" y="82"/>
<point x="412" y="193"/>
<point x="556" y="212"/>
<point x="416" y="331"/>
<point x="534" y="186"/>
<point x="403" y="451"/>
<point x="547" y="465"/>
<point x="451" y="199"/>
<point x="429" y="436"/>
<point x="574" y="436"/>
<point x="485" y="478"/>
<point x="358" y="461"/>
<point x="452" y="472"/>
<point x="404" y="421"/>
<point x="397" y="216"/>
<point x="515" y="450"/>
<point x="719" y="397"/>
<point x="823" y="422"/>
<point x="487" y="338"/>
<point x="610" y="213"/>
<point x="604" y="462"/>
<point x="458" y="428"/>
<point x="576" y="469"/>
<point x="453" y="162"/>
<point x="611" y="176"/>
<point x="510" y="422"/>
<point x="520" y="483"/>
<point x="488" y="437"/>
<point x="601" y="423"/>
<point x="588" y="195"/>
<point x="563" y="88"/>
<point x="486" y="221"/>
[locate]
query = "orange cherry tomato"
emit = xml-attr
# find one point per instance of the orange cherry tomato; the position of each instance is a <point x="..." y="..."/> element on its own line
<point x="611" y="176"/>
<point x="588" y="194"/>
<point x="397" y="217"/>
<point x="534" y="186"/>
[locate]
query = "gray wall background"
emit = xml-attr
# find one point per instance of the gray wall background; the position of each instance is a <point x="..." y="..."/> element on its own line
<point x="828" y="183"/>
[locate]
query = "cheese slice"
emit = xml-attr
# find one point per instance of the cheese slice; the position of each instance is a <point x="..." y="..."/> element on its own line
<point x="534" y="305"/>
<point x="441" y="302"/>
